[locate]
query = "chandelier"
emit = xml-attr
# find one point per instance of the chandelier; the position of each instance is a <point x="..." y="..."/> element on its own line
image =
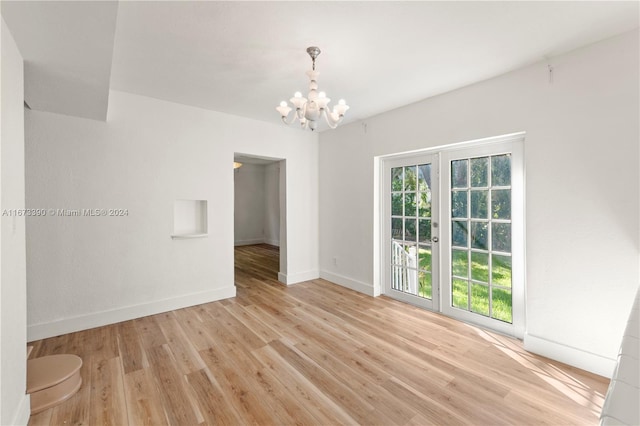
<point x="309" y="110"/>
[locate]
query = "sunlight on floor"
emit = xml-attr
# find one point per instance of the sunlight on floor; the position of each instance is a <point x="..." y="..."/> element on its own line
<point x="559" y="379"/>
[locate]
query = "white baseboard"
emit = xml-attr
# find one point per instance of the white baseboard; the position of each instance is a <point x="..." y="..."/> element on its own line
<point x="248" y="242"/>
<point x="98" y="319"/>
<point x="298" y="277"/>
<point x="355" y="285"/>
<point x="584" y="360"/>
<point x="23" y="412"/>
<point x="257" y="241"/>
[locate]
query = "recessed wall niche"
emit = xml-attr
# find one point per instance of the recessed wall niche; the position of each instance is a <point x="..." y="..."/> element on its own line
<point x="189" y="219"/>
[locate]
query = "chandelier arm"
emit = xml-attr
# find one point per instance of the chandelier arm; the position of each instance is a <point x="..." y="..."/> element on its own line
<point x="332" y="123"/>
<point x="293" y="118"/>
<point x="329" y="121"/>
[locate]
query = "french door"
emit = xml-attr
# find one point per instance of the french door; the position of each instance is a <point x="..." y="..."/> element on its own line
<point x="454" y="241"/>
<point x="411" y="230"/>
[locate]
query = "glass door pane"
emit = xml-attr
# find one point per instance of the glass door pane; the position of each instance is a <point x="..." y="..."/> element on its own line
<point x="411" y="223"/>
<point x="481" y="236"/>
<point x="479" y="200"/>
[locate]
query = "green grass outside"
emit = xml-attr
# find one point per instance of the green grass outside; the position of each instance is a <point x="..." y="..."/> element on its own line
<point x="425" y="286"/>
<point x="479" y="271"/>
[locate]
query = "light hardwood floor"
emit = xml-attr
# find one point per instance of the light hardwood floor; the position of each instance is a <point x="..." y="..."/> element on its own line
<point x="314" y="353"/>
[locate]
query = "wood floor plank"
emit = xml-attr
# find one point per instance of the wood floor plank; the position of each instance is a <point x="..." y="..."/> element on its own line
<point x="274" y="318"/>
<point x="296" y="412"/>
<point x="268" y="392"/>
<point x="183" y="351"/>
<point x="312" y="354"/>
<point x="149" y="332"/>
<point x="108" y="403"/>
<point x="130" y="351"/>
<point x="51" y="346"/>
<point x="312" y="334"/>
<point x="193" y="325"/>
<point x="420" y="420"/>
<point x="214" y="407"/>
<point x="324" y="410"/>
<point x="388" y="408"/>
<point x="144" y="403"/>
<point x="241" y="332"/>
<point x="522" y="383"/>
<point x="102" y="341"/>
<point x="236" y="384"/>
<point x="434" y="410"/>
<point x="353" y="403"/>
<point x="266" y="333"/>
<point x="171" y="384"/>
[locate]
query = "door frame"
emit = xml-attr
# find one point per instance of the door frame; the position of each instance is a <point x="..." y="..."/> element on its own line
<point x="432" y="158"/>
<point x="517" y="328"/>
<point x="282" y="202"/>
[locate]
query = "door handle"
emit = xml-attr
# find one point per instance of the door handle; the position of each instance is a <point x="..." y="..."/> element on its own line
<point x="434" y="239"/>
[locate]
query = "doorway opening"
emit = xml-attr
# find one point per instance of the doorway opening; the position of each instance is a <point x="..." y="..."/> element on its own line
<point x="259" y="216"/>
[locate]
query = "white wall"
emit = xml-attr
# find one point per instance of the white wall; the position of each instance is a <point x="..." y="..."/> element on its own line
<point x="88" y="271"/>
<point x="257" y="204"/>
<point x="272" y="204"/>
<point x="14" y="404"/>
<point x="582" y="186"/>
<point x="249" y="204"/>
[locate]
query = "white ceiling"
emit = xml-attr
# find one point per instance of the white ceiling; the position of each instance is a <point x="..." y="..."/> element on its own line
<point x="67" y="48"/>
<point x="243" y="58"/>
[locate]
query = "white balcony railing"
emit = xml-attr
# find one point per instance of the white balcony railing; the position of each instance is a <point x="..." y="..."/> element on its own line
<point x="405" y="273"/>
